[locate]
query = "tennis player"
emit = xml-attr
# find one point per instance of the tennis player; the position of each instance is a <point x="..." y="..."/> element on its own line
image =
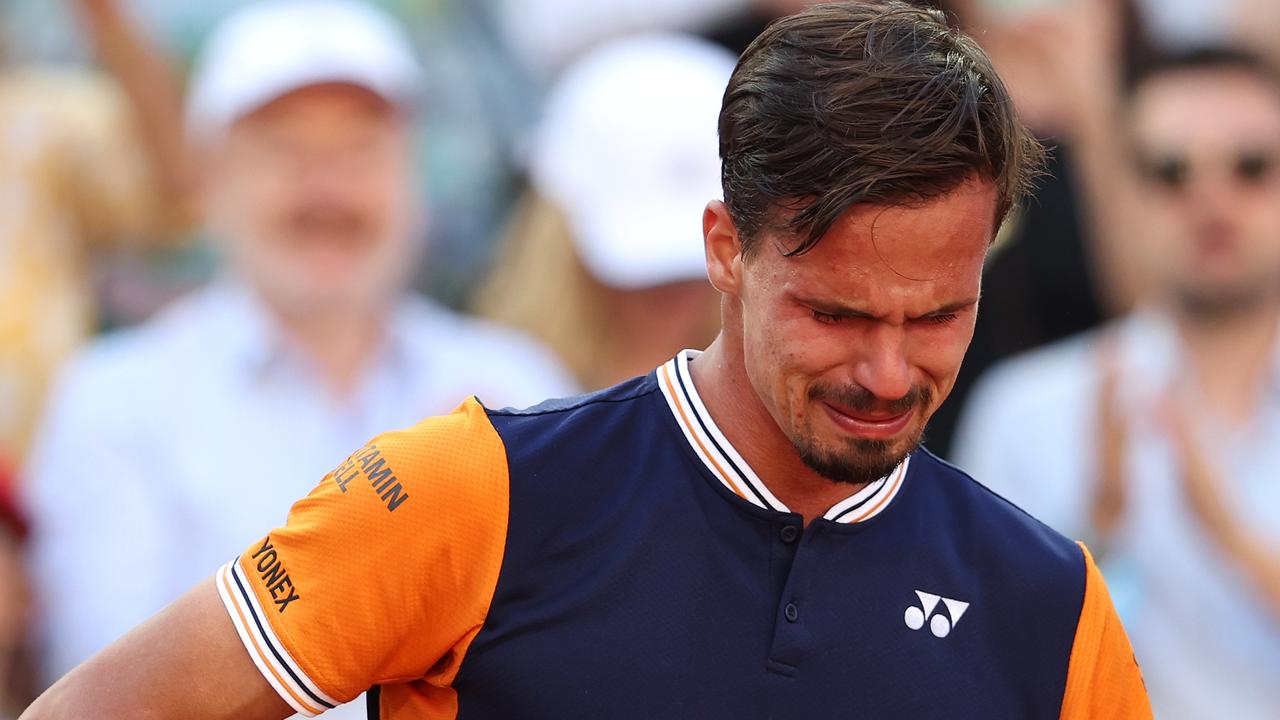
<point x="750" y="531"/>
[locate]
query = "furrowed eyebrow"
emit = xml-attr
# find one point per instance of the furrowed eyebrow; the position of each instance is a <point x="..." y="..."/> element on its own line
<point x="952" y="307"/>
<point x="840" y="310"/>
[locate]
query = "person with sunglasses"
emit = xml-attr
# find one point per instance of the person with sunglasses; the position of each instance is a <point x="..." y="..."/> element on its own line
<point x="747" y="531"/>
<point x="1157" y="438"/>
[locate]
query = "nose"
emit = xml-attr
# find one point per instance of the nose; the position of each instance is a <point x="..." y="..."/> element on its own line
<point x="881" y="366"/>
<point x="324" y="177"/>
<point x="1210" y="191"/>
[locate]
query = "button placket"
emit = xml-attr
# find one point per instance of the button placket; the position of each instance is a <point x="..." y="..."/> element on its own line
<point x="791" y="636"/>
<point x="789" y="534"/>
<point x="791" y="612"/>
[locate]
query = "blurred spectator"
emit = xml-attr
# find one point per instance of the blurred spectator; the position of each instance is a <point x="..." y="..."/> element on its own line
<point x="15" y="608"/>
<point x="85" y="165"/>
<point x="736" y="31"/>
<point x="1157" y="438"/>
<point x="1047" y="277"/>
<point x="1051" y="275"/>
<point x="605" y="261"/>
<point x="168" y="447"/>
<point x="482" y="100"/>
<point x="550" y="34"/>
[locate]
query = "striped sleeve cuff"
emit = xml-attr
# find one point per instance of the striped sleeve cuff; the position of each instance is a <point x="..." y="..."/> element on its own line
<point x="273" y="661"/>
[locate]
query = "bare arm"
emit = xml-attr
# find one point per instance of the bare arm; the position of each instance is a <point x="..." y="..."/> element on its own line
<point x="1249" y="553"/>
<point x="185" y="663"/>
<point x="150" y="82"/>
<point x="1111" y="491"/>
<point x="1202" y="483"/>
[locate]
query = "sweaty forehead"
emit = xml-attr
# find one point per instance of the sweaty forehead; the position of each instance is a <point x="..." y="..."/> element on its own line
<point x="944" y="239"/>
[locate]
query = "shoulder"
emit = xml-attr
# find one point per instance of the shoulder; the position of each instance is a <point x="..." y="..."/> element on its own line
<point x="988" y="526"/>
<point x="625" y="398"/>
<point x="588" y="456"/>
<point x="582" y="431"/>
<point x="455" y="462"/>
<point x="1032" y="579"/>
<point x="1034" y="586"/>
<point x="419" y="513"/>
<point x="458" y="444"/>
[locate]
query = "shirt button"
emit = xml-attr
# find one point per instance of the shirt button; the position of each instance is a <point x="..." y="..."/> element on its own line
<point x="791" y="612"/>
<point x="789" y="533"/>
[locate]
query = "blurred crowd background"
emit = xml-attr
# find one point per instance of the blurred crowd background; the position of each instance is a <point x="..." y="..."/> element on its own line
<point x="239" y="238"/>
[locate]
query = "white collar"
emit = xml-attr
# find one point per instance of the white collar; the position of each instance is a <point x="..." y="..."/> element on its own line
<point x="728" y="466"/>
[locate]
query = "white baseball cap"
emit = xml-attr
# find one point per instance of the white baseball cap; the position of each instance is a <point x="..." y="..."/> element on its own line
<point x="627" y="150"/>
<point x="269" y="48"/>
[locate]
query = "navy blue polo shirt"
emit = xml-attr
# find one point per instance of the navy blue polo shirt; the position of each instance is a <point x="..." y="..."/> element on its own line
<point x="613" y="556"/>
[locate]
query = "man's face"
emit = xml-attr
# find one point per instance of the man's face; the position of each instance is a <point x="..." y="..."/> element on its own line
<point x="313" y="194"/>
<point x="1207" y="143"/>
<point x="852" y="346"/>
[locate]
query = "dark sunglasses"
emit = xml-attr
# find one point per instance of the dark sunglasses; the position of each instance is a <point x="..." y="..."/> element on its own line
<point x="1172" y="171"/>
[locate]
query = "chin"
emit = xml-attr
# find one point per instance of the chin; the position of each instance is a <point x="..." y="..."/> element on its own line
<point x="855" y="460"/>
<point x="314" y="296"/>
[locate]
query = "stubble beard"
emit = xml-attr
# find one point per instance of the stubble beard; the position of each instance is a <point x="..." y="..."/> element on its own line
<point x="858" y="461"/>
<point x="1209" y="306"/>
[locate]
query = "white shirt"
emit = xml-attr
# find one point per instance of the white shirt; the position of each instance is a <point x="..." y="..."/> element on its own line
<point x="1207" y="644"/>
<point x="158" y="434"/>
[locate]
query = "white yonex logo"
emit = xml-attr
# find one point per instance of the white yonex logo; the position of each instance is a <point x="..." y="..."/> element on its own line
<point x="939" y="625"/>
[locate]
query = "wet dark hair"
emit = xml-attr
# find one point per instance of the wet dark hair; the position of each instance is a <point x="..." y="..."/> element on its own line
<point x="863" y="102"/>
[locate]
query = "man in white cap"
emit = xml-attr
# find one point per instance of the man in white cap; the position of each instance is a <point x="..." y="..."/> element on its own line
<point x="750" y="531"/>
<point x="168" y="446"/>
<point x="605" y="264"/>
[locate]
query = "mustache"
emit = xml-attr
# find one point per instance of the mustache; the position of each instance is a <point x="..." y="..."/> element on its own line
<point x="326" y="219"/>
<point x="855" y="397"/>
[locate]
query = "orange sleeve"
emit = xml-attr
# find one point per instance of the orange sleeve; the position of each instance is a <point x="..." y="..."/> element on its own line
<point x="384" y="573"/>
<point x="1103" y="678"/>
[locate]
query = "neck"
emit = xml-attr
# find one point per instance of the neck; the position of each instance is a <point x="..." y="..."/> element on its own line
<point x="340" y="343"/>
<point x="1230" y="356"/>
<point x="720" y="376"/>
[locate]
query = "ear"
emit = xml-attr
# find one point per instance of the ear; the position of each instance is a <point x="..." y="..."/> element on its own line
<point x="723" y="248"/>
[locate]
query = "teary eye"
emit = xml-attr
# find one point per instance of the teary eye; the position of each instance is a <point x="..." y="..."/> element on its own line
<point x="942" y="319"/>
<point x="825" y="318"/>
